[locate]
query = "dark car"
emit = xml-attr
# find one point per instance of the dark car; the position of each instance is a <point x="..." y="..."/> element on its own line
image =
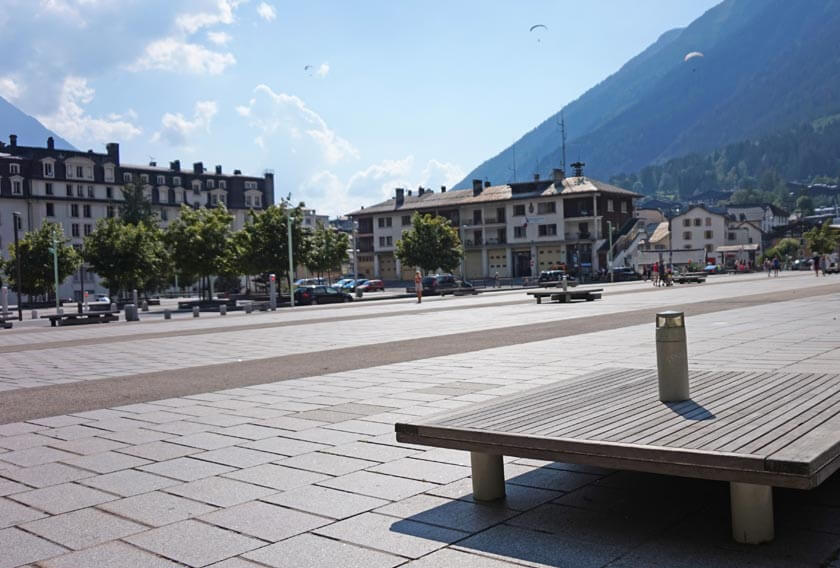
<point x="371" y="286"/>
<point x="439" y="284"/>
<point x="624" y="273"/>
<point x="554" y="277"/>
<point x="307" y="295"/>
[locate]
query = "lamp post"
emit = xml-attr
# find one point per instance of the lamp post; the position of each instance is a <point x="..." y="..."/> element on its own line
<point x="355" y="251"/>
<point x="16" y="220"/>
<point x="464" y="252"/>
<point x="54" y="251"/>
<point x="610" y="252"/>
<point x="291" y="263"/>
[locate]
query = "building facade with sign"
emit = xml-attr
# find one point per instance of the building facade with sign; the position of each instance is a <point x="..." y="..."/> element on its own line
<point x="513" y="230"/>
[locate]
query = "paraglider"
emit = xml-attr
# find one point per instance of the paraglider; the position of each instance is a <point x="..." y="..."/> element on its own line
<point x="692" y="55"/>
<point x="537" y="27"/>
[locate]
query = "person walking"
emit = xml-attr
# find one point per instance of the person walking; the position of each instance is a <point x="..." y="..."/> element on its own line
<point x="496" y="280"/>
<point x="768" y="266"/>
<point x="655" y="276"/>
<point x="776" y="266"/>
<point x="816" y="263"/>
<point x="418" y="286"/>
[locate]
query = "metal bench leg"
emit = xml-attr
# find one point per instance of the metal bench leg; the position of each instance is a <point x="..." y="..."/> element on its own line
<point x="488" y="476"/>
<point x="752" y="512"/>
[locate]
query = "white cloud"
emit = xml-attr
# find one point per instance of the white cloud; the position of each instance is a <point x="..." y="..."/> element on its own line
<point x="266" y="11"/>
<point x="280" y="113"/>
<point x="192" y="22"/>
<point x="72" y="122"/>
<point x="172" y="54"/>
<point x="68" y="11"/>
<point x="326" y="192"/>
<point x="10" y="89"/>
<point x="323" y="70"/>
<point x="176" y="129"/>
<point x="219" y="38"/>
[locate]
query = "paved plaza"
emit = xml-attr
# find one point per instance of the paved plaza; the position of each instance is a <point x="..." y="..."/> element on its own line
<point x="302" y="468"/>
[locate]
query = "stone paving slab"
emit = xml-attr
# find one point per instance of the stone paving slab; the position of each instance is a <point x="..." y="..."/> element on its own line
<point x="330" y="491"/>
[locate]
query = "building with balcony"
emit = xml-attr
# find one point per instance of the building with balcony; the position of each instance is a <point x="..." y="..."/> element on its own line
<point x="76" y="189"/>
<point x="514" y="229"/>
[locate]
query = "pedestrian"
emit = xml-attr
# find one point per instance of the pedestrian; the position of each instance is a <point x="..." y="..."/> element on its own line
<point x="418" y="286"/>
<point x="776" y="266"/>
<point x="496" y="280"/>
<point x="768" y="266"/>
<point x="655" y="276"/>
<point x="816" y="262"/>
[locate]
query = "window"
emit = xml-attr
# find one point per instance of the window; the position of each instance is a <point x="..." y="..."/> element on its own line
<point x="697" y="222"/>
<point x="109" y="174"/>
<point x="14" y="169"/>
<point x="222" y="184"/>
<point x="546" y="208"/>
<point x="80" y="172"/>
<point x="74" y="229"/>
<point x="519" y="232"/>
<point x="624" y="207"/>
<point x="126" y="177"/>
<point x="518" y="210"/>
<point x="48" y="170"/>
<point x="547" y="230"/>
<point x="109" y="211"/>
<point x="708" y="221"/>
<point x="731" y="236"/>
<point x="258" y="201"/>
<point x="86" y="210"/>
<point x="80" y="191"/>
<point x="687" y="235"/>
<point x="389" y="241"/>
<point x="17" y="188"/>
<point x="69" y="188"/>
<point x="164" y="215"/>
<point x="48" y="188"/>
<point x="610" y="206"/>
<point x="247" y="201"/>
<point x="91" y="192"/>
<point x="88" y="228"/>
<point x="50" y="210"/>
<point x="176" y="181"/>
<point x="210" y="184"/>
<point x="406" y="220"/>
<point x="160" y="180"/>
<point x="384" y="222"/>
<point x="214" y="199"/>
<point x="708" y="235"/>
<point x="686" y="222"/>
<point x="144" y="178"/>
<point x="74" y="209"/>
<point x="382" y="241"/>
<point x="196" y="185"/>
<point x="109" y="192"/>
<point x="250" y="185"/>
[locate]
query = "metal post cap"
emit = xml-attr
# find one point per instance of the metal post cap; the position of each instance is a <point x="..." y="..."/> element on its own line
<point x="670" y="318"/>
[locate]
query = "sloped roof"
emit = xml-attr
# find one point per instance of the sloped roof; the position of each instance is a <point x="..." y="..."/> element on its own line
<point x="525" y="190"/>
<point x="660" y="233"/>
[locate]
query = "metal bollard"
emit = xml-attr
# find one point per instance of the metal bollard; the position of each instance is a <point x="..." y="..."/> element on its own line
<point x="222" y="310"/>
<point x="34" y="314"/>
<point x="5" y="296"/>
<point x="196" y="311"/>
<point x="134" y="297"/>
<point x="272" y="292"/>
<point x="167" y="314"/>
<point x="565" y="284"/>
<point x="672" y="356"/>
<point x="144" y="306"/>
<point x="131" y="312"/>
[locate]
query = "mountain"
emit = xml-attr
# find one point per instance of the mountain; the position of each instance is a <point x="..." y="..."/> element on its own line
<point x="767" y="65"/>
<point x="30" y="132"/>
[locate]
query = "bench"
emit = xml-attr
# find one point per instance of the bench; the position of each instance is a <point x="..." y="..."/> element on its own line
<point x="589" y="295"/>
<point x="571" y="283"/>
<point x="755" y="430"/>
<point x="81" y="319"/>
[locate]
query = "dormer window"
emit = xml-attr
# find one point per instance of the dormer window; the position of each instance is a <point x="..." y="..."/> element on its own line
<point x="222" y="184"/>
<point x="109" y="173"/>
<point x="210" y="184"/>
<point x="250" y="185"/>
<point x="14" y="169"/>
<point x="48" y="170"/>
<point x="126" y="177"/>
<point x="176" y="181"/>
<point x="144" y="178"/>
<point x="80" y="172"/>
<point x="161" y="180"/>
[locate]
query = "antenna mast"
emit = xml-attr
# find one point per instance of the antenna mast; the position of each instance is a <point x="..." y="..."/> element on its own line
<point x="562" y="124"/>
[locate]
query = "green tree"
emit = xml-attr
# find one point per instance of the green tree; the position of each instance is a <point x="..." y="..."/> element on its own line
<point x="822" y="239"/>
<point x="263" y="242"/>
<point x="135" y="208"/>
<point x="37" y="273"/>
<point x="805" y="205"/>
<point x="431" y="243"/>
<point x="328" y="249"/>
<point x="128" y="256"/>
<point x="201" y="243"/>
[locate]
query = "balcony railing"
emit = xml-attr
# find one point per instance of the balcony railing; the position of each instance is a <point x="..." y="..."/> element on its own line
<point x="494" y="221"/>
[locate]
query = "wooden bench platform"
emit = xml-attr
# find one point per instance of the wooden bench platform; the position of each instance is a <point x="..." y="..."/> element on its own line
<point x="754" y="429"/>
<point x="588" y="294"/>
<point x="81" y="319"/>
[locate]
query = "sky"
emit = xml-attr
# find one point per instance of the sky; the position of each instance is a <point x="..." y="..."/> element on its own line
<point x="343" y="101"/>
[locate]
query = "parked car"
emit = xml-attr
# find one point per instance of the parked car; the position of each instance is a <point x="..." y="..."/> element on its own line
<point x="351" y="284"/>
<point x="439" y="284"/>
<point x="556" y="276"/>
<point x="801" y="264"/>
<point x="371" y="286"/>
<point x="623" y="273"/>
<point x="310" y="282"/>
<point x="341" y="283"/>
<point x="102" y="298"/>
<point x="307" y="295"/>
<point x="833" y="268"/>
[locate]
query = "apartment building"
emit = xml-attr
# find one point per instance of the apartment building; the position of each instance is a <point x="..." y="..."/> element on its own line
<point x="76" y="189"/>
<point x="514" y="229"/>
<point x="721" y="236"/>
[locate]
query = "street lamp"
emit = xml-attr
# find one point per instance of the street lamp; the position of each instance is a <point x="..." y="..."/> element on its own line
<point x="16" y="220"/>
<point x="610" y="252"/>
<point x="54" y="251"/>
<point x="464" y="251"/>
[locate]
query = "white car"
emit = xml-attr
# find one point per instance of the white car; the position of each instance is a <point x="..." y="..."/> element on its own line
<point x="102" y="299"/>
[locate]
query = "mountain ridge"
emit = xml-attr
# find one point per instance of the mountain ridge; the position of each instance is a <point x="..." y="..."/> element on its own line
<point x="29" y="130"/>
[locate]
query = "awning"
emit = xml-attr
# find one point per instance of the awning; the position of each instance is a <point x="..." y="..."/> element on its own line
<point x="737" y="248"/>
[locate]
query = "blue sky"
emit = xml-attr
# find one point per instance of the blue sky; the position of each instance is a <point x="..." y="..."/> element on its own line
<point x="398" y="94"/>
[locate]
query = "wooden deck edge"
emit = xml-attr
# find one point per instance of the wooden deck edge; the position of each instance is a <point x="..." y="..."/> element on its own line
<point x="650" y="459"/>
